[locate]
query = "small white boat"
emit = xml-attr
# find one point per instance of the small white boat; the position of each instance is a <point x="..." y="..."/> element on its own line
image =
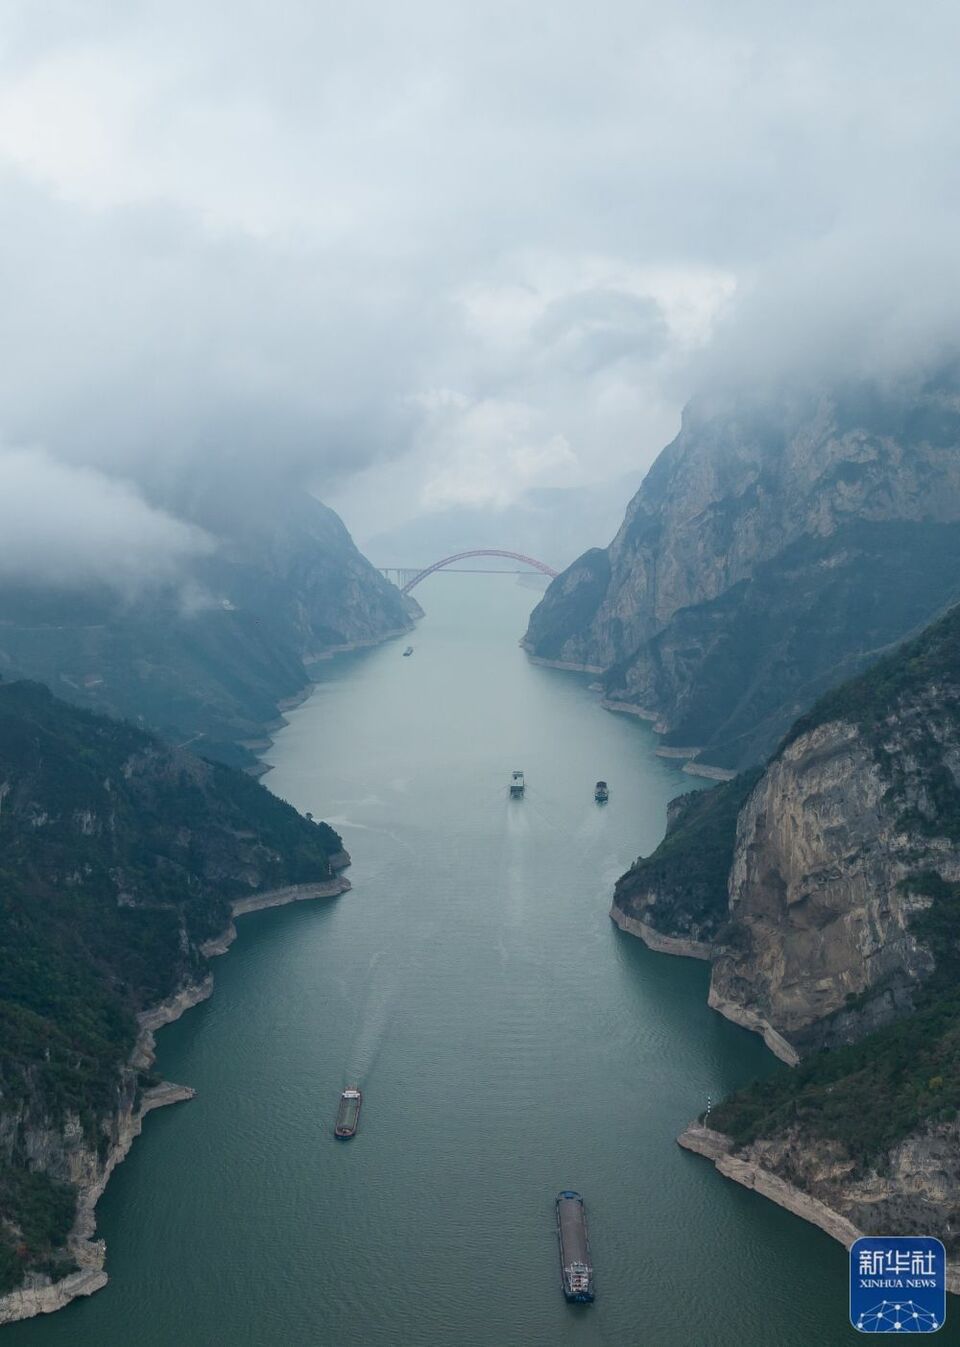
<point x="517" y="785"/>
<point x="409" y="650"/>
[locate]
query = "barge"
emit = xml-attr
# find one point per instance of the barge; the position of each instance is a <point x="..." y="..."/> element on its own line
<point x="576" y="1269"/>
<point x="517" y="786"/>
<point x="348" y="1114"/>
<point x="601" y="792"/>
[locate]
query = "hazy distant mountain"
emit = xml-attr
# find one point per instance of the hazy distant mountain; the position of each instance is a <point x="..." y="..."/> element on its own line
<point x="774" y="549"/>
<point x="207" y="660"/>
<point x="551" y="525"/>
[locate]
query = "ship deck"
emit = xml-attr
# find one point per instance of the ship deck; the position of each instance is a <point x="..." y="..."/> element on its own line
<point x="573" y="1231"/>
<point x="348" y="1113"/>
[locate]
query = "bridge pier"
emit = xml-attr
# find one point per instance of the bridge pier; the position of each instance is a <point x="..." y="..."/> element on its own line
<point x="399" y="575"/>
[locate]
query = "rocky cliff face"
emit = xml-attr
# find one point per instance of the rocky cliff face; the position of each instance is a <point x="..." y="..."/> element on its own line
<point x="122" y="862"/>
<point x="839" y="930"/>
<point x="771" y="552"/>
<point x="819" y="915"/>
<point x="834" y="850"/>
<point x="209" y="661"/>
<point x="913" y="1191"/>
<point x="823" y="883"/>
<point x="676" y="899"/>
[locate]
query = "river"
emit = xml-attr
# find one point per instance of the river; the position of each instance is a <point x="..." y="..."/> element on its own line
<point x="508" y="1039"/>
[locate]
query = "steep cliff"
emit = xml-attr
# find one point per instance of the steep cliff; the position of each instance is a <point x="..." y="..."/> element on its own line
<point x="774" y="549"/>
<point x="208" y="661"/>
<point x="121" y="862"/>
<point x="676" y="899"/>
<point x="845" y="854"/>
<point x="840" y="941"/>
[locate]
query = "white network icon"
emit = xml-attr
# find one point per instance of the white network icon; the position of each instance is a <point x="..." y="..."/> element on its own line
<point x="897" y="1316"/>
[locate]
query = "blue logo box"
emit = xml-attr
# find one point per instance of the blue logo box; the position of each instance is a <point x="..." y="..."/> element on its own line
<point x="898" y="1284"/>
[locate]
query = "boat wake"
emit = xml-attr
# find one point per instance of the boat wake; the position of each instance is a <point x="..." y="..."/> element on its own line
<point x="341" y="822"/>
<point x="374" y="1020"/>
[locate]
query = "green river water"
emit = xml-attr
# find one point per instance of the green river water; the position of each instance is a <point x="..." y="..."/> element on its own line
<point x="508" y="1039"/>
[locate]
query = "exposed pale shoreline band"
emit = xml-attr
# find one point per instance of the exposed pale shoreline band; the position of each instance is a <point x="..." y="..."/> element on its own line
<point x="88" y="1252"/>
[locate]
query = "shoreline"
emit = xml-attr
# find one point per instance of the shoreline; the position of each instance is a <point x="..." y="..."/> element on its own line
<point x="749" y="1019"/>
<point x="570" y="665"/>
<point x="718" y="1148"/>
<point x="261" y="743"/>
<point x="27" y="1302"/>
<point x="685" y="948"/>
<point x="711" y="773"/>
<point x="659" y="943"/>
<point x="259" y="902"/>
<point x="628" y="709"/>
<point x="691" y="766"/>
<point x="328" y="652"/>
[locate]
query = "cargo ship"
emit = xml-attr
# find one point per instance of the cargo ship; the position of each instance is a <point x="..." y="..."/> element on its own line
<point x="348" y="1114"/>
<point x="600" y="792"/>
<point x="576" y="1269"/>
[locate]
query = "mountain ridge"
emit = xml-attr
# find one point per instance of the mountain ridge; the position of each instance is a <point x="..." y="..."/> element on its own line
<point x="122" y="864"/>
<point x="772" y="551"/>
<point x="209" y="661"/>
<point x="831" y="912"/>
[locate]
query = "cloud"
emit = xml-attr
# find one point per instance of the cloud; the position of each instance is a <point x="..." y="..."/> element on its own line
<point x="865" y="301"/>
<point x="242" y="244"/>
<point x="488" y="452"/>
<point x="73" y="528"/>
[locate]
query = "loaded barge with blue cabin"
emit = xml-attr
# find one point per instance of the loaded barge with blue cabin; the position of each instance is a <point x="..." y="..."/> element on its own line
<point x="348" y="1114"/>
<point x="576" y="1269"/>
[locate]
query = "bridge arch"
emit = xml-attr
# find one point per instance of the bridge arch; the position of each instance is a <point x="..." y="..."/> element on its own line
<point x="540" y="566"/>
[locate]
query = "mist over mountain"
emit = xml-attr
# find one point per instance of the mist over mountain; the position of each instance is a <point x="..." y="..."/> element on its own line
<point x="319" y="248"/>
<point x="777" y="546"/>
<point x="551" y="525"/>
<point x="205" y="654"/>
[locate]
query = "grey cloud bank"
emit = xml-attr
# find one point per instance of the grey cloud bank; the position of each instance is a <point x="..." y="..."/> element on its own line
<point x="73" y="527"/>
<point x="439" y="256"/>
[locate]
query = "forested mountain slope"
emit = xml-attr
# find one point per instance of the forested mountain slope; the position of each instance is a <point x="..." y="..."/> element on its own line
<point x="119" y="859"/>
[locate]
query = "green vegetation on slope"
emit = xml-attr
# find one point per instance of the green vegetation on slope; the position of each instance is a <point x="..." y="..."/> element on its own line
<point x="910" y="1070"/>
<point x="688" y="871"/>
<point x="44" y="1215"/>
<point x="868" y="701"/>
<point x="568" y="607"/>
<point x="118" y="857"/>
<point x="806" y="621"/>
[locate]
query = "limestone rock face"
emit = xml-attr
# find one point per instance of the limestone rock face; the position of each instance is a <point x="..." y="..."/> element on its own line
<point x="771" y="552"/>
<point x="819" y="942"/>
<point x="915" y="1194"/>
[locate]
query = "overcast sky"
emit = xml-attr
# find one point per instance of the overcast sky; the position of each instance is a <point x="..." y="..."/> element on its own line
<point x="439" y="253"/>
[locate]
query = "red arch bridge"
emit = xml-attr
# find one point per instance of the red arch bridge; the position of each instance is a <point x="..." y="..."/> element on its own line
<point x="406" y="578"/>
